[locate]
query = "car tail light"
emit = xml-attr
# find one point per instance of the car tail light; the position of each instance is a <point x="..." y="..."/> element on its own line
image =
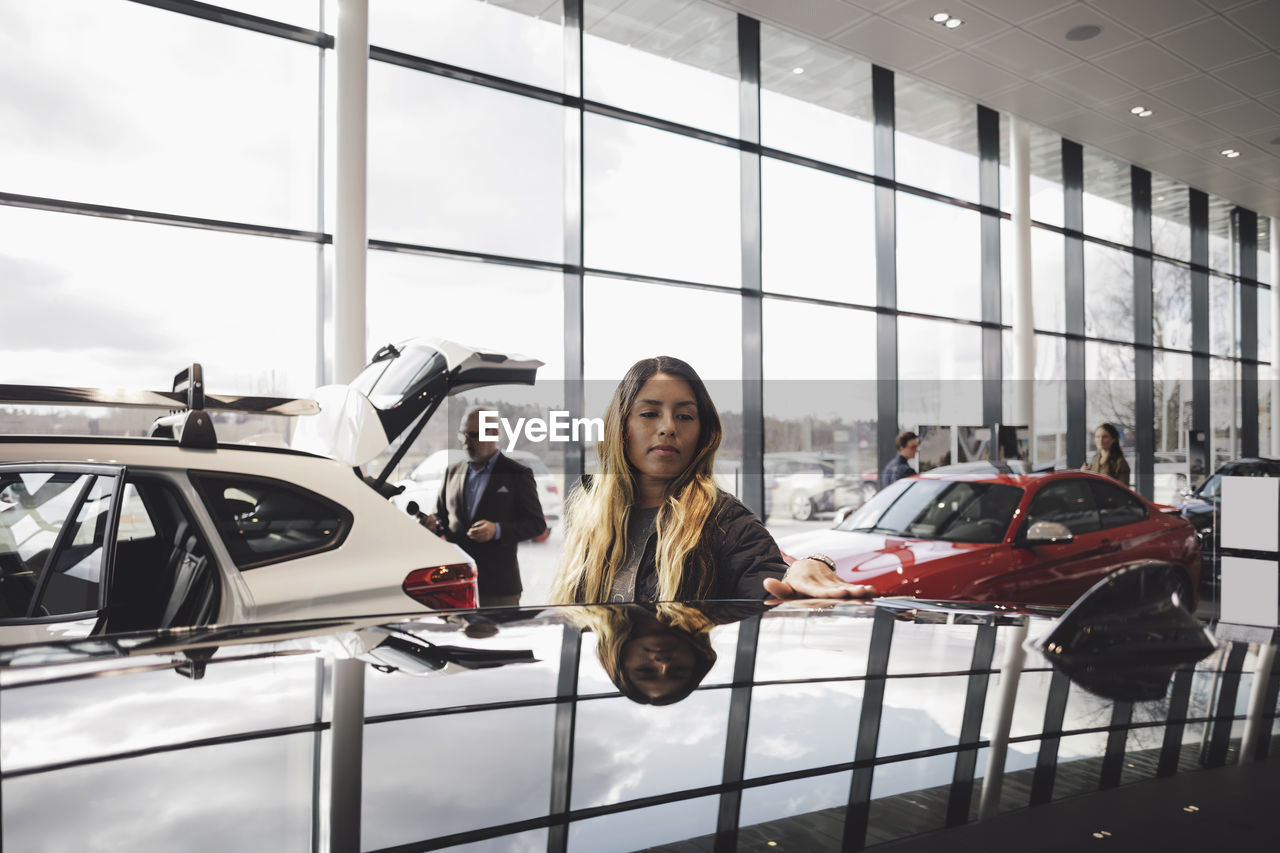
<point x="787" y="558"/>
<point x="553" y="489"/>
<point x="450" y="587"/>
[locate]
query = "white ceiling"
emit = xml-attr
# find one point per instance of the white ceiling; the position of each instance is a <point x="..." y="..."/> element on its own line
<point x="1208" y="69"/>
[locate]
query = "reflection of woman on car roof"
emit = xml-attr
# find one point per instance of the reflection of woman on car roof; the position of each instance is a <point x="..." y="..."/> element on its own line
<point x="653" y="526"/>
<point x="656" y="654"/>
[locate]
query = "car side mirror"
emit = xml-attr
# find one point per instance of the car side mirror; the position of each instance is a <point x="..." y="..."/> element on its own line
<point x="1047" y="533"/>
<point x="842" y="513"/>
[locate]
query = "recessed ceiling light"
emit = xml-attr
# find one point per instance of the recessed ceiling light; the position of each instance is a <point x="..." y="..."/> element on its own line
<point x="940" y="17"/>
<point x="797" y="70"/>
<point x="1140" y="112"/>
<point x="952" y="23"/>
<point x="1159" y="198"/>
<point x="1084" y="32"/>
<point x="946" y="19"/>
<point x="1230" y="152"/>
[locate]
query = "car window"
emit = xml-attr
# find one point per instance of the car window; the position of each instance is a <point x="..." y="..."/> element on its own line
<point x="163" y="576"/>
<point x="1068" y="502"/>
<point x="263" y="521"/>
<point x="1211" y="486"/>
<point x="941" y="509"/>
<point x="135" y="522"/>
<point x="1117" y="506"/>
<point x="866" y="516"/>
<point x="75" y="579"/>
<point x="34" y="508"/>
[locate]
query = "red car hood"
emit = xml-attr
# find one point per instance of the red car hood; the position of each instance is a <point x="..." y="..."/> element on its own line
<point x="862" y="557"/>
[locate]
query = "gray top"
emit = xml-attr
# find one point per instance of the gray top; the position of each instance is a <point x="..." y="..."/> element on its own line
<point x="639" y="528"/>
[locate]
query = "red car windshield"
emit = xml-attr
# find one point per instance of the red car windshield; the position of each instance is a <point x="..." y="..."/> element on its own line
<point x="955" y="511"/>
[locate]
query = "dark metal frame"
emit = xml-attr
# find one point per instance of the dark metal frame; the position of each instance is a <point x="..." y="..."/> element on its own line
<point x="1201" y="420"/>
<point x="992" y="329"/>
<point x="1144" y="324"/>
<point x="1073" y="219"/>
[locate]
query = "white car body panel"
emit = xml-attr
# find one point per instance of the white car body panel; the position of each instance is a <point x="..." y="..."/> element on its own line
<point x="362" y="576"/>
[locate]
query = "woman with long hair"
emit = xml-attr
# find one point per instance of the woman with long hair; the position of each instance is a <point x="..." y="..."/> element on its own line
<point x="653" y="525"/>
<point x="1109" y="459"/>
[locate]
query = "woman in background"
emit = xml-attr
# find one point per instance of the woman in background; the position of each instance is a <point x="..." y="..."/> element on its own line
<point x="1109" y="459"/>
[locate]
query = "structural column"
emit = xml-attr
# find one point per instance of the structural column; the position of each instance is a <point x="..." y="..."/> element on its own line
<point x="574" y="241"/>
<point x="1143" y="334"/>
<point x="1023" y="370"/>
<point x="882" y="95"/>
<point x="1078" y="431"/>
<point x="752" y="273"/>
<point x="989" y="191"/>
<point x="1245" y="224"/>
<point x="350" y="233"/>
<point x="1275" y="336"/>
<point x="1201" y="387"/>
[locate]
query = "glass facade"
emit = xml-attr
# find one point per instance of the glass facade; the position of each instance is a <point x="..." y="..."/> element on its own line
<point x="593" y="182"/>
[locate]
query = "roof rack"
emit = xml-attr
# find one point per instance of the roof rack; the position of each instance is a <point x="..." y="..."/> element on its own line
<point x="188" y="421"/>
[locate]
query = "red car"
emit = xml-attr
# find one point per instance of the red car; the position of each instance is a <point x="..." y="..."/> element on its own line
<point x="976" y="533"/>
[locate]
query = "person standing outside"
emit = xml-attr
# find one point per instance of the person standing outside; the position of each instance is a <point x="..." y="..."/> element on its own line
<point x="487" y="505"/>
<point x="908" y="443"/>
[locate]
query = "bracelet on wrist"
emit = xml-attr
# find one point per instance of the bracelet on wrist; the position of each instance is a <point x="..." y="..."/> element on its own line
<point x="823" y="558"/>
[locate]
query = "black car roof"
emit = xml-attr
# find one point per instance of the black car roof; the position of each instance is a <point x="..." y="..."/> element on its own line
<point x="855" y="725"/>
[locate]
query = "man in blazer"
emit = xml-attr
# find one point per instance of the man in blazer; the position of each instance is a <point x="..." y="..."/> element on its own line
<point x="487" y="505"/>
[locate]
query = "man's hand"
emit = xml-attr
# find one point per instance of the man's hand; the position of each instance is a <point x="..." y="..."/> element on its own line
<point x="429" y="522"/>
<point x="814" y="579"/>
<point x="482" y="531"/>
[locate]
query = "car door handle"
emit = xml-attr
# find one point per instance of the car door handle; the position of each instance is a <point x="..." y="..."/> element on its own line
<point x="1107" y="546"/>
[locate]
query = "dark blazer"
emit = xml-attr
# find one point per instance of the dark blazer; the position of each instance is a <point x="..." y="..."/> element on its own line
<point x="510" y="499"/>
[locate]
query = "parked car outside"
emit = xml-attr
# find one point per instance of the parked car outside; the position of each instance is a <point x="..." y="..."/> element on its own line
<point x="107" y="534"/>
<point x="1200" y="506"/>
<point x="805" y="485"/>
<point x="974" y="532"/>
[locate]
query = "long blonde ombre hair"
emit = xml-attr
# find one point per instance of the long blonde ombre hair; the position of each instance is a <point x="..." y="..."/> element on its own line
<point x="595" y="529"/>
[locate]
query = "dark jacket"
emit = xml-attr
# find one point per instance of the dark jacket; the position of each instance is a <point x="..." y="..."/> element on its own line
<point x="896" y="470"/>
<point x="739" y="548"/>
<point x="510" y="499"/>
<point x="1116" y="468"/>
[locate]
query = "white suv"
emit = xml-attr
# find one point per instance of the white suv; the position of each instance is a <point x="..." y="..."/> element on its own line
<point x="116" y="534"/>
